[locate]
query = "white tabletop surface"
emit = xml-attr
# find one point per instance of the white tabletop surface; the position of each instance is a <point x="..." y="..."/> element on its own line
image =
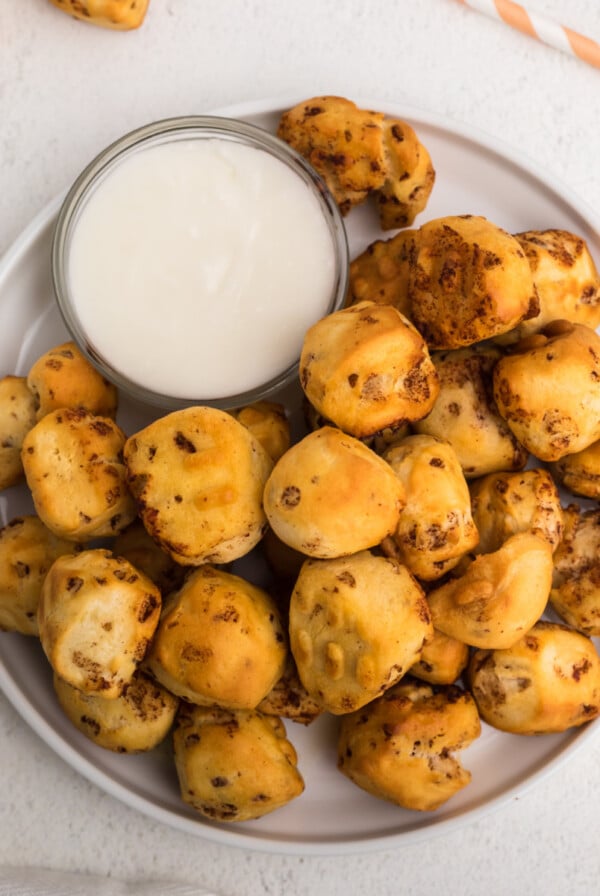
<point x="66" y="90"/>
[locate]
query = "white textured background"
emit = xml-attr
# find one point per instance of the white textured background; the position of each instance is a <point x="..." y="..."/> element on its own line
<point x="66" y="90"/>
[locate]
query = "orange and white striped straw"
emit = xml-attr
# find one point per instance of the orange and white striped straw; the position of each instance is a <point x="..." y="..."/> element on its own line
<point x="540" y="27"/>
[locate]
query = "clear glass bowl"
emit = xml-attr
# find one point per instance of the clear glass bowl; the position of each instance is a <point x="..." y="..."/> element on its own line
<point x="161" y="132"/>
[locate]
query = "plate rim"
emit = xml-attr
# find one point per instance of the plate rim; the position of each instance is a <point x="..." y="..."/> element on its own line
<point x="225" y="836"/>
<point x="222" y="834"/>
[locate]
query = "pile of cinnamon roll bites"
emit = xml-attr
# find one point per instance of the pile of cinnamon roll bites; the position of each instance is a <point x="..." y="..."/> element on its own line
<point x="431" y="541"/>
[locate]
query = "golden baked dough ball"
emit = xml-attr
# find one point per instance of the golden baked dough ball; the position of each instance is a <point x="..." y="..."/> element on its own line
<point x="356" y="625"/>
<point x="64" y="378"/>
<point x="469" y="280"/>
<point x="410" y="176"/>
<point x="565" y="276"/>
<point x="17" y="416"/>
<point x="547" y="682"/>
<point x="499" y="597"/>
<point x="435" y="527"/>
<point x="380" y="273"/>
<point x="580" y="472"/>
<point x="135" y="722"/>
<point x="27" y="551"/>
<point x="96" y="616"/>
<point x="359" y="152"/>
<point x="506" y="503"/>
<point x="289" y="698"/>
<point x="366" y="368"/>
<point x="343" y="143"/>
<point x="548" y="390"/>
<point x="268" y="423"/>
<point x="135" y="544"/>
<point x="443" y="659"/>
<point x="74" y="468"/>
<point x="220" y="640"/>
<point x="198" y="477"/>
<point x="330" y="495"/>
<point x="575" y="594"/>
<point x="234" y="765"/>
<point x="402" y="746"/>
<point x="120" y="15"/>
<point x="465" y="413"/>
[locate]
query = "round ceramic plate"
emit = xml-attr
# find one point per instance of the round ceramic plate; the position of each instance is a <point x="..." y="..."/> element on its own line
<point x="474" y="175"/>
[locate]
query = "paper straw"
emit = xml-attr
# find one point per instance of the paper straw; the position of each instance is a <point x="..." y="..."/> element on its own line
<point x="540" y="27"/>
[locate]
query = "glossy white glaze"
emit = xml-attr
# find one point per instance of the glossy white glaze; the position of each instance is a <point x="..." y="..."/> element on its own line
<point x="196" y="266"/>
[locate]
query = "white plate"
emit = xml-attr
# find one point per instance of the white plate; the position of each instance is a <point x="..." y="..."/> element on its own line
<point x="474" y="175"/>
